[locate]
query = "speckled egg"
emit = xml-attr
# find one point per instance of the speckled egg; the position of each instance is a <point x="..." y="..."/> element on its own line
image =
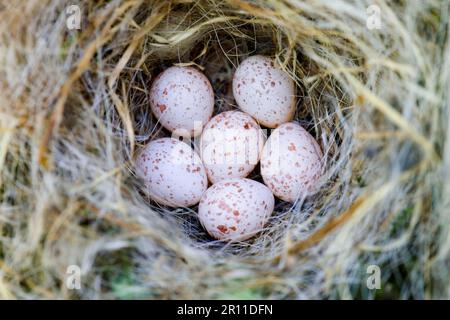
<point x="265" y="91"/>
<point x="173" y="172"/>
<point x="291" y="162"/>
<point x="183" y="100"/>
<point x="231" y="145"/>
<point x="235" y="209"/>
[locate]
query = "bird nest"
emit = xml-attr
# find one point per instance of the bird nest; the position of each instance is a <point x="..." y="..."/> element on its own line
<point x="75" y="110"/>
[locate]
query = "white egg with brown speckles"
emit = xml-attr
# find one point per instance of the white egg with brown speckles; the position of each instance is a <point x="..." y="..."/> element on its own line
<point x="183" y="100"/>
<point x="231" y="145"/>
<point x="235" y="209"/>
<point x="172" y="171"/>
<point x="291" y="162"/>
<point x="265" y="91"/>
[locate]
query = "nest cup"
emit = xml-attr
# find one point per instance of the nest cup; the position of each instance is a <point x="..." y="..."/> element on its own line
<point x="372" y="97"/>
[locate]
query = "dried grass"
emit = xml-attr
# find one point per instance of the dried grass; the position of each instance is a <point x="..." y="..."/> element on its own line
<point x="74" y="108"/>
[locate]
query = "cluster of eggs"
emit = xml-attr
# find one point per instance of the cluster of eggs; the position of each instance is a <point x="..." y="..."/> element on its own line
<point x="232" y="143"/>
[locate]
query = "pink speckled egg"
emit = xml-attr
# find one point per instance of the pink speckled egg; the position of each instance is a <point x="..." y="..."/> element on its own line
<point x="291" y="162"/>
<point x="231" y="145"/>
<point x="173" y="172"/>
<point x="265" y="91"/>
<point x="235" y="209"/>
<point x="183" y="100"/>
